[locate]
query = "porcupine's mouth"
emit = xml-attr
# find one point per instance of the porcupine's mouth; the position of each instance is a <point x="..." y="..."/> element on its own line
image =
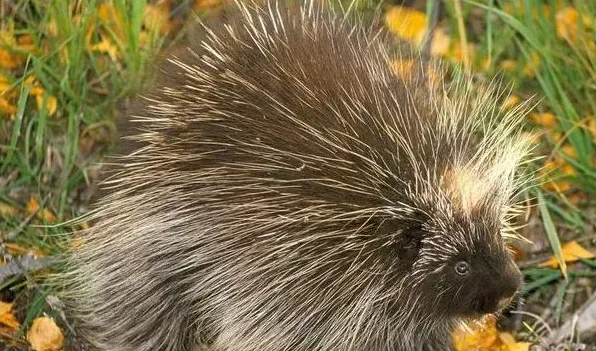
<point x="491" y="305"/>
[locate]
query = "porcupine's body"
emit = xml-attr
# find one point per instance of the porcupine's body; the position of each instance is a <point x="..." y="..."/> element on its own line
<point x="291" y="193"/>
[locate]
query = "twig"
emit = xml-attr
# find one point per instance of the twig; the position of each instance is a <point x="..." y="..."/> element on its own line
<point x="27" y="263"/>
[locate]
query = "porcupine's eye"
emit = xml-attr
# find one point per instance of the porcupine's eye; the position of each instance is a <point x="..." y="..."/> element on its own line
<point x="462" y="268"/>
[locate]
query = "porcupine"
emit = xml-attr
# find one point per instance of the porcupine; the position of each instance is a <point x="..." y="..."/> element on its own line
<point x="289" y="191"/>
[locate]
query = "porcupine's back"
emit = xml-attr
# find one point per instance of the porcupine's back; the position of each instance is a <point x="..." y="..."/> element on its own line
<point x="279" y="161"/>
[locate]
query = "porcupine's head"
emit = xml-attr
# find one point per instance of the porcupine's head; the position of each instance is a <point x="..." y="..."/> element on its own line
<point x="461" y="198"/>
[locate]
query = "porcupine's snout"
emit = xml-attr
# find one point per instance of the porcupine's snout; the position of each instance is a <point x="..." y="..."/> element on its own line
<point x="500" y="292"/>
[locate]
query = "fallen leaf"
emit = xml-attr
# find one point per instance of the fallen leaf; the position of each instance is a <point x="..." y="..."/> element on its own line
<point x="25" y="39"/>
<point x="568" y="170"/>
<point x="46" y="215"/>
<point x="577" y="198"/>
<point x="510" y="102"/>
<point x="4" y="85"/>
<point x="16" y="249"/>
<point x="591" y="126"/>
<point x="557" y="186"/>
<point x="569" y="150"/>
<point x="508" y="343"/>
<point x="48" y="102"/>
<point x="6" y="107"/>
<point x="8" y="210"/>
<point x="157" y="16"/>
<point x="106" y="46"/>
<point x="8" y="60"/>
<point x="407" y="23"/>
<point x="568" y="21"/>
<point x="508" y="65"/>
<point x="440" y="43"/>
<point x="111" y="18"/>
<point x="52" y="28"/>
<point x="37" y="91"/>
<point x="457" y="52"/>
<point x="7" y="317"/>
<point x="532" y="65"/>
<point x="482" y="335"/>
<point x="572" y="252"/>
<point x="45" y="335"/>
<point x="202" y="5"/>
<point x="556" y="136"/>
<point x="547" y="119"/>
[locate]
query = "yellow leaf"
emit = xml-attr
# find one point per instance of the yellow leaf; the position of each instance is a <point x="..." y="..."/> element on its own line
<point x="519" y="346"/>
<point x="457" y="52"/>
<point x="52" y="28"/>
<point x="8" y="60"/>
<point x="6" y="107"/>
<point x="508" y="343"/>
<point x="569" y="150"/>
<point x="440" y="43"/>
<point x="4" y="85"/>
<point x="7" y="318"/>
<point x="202" y="5"/>
<point x="508" y="65"/>
<point x="407" y="23"/>
<point x="557" y="186"/>
<point x="482" y="335"/>
<point x="45" y="335"/>
<point x="32" y="205"/>
<point x="45" y="214"/>
<point x="572" y="252"/>
<point x="577" y="198"/>
<point x="591" y="125"/>
<point x="532" y="65"/>
<point x="157" y="16"/>
<point x="8" y="210"/>
<point x="547" y="119"/>
<point x="25" y="39"/>
<point x="112" y="18"/>
<point x="568" y="170"/>
<point x="106" y="46"/>
<point x="37" y="91"/>
<point x="510" y="102"/>
<point x="51" y="104"/>
<point x="48" y="216"/>
<point x="16" y="249"/>
<point x="556" y="136"/>
<point x="567" y="24"/>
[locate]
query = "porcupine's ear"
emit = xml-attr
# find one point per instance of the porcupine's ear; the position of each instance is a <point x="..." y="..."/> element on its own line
<point x="410" y="243"/>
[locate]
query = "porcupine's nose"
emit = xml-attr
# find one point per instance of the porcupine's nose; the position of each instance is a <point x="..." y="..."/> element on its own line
<point x="510" y="282"/>
<point x="502" y="286"/>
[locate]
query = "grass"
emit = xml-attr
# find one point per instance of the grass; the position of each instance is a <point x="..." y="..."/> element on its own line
<point x="54" y="53"/>
<point x="65" y="65"/>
